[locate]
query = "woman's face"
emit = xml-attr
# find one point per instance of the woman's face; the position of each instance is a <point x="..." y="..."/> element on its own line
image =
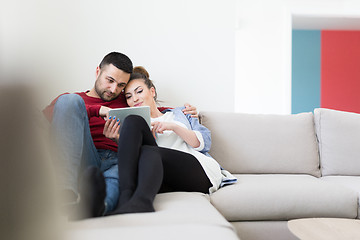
<point x="138" y="94"/>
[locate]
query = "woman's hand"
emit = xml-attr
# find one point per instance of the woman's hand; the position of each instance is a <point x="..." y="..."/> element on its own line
<point x="160" y="127"/>
<point x="111" y="129"/>
<point x="187" y="135"/>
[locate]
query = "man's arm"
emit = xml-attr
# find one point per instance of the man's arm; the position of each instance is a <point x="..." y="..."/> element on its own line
<point x="189" y="109"/>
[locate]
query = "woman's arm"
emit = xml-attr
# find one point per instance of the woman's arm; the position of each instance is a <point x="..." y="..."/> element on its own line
<point x="203" y="133"/>
<point x="112" y="126"/>
<point x="187" y="135"/>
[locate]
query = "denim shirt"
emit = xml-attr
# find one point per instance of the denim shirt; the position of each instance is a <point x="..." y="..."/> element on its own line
<point x="193" y="124"/>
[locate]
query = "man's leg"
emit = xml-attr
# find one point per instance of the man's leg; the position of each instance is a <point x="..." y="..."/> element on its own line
<point x="92" y="190"/>
<point x="109" y="167"/>
<point x="73" y="144"/>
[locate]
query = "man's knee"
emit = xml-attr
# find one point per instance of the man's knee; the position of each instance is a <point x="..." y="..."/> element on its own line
<point x="70" y="102"/>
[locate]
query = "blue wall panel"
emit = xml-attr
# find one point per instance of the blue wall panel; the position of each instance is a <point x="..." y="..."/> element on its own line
<point x="306" y="60"/>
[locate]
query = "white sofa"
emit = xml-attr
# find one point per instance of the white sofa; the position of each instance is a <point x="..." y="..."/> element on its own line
<point x="288" y="167"/>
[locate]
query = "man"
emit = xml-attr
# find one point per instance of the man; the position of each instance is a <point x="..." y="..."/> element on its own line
<point x="83" y="137"/>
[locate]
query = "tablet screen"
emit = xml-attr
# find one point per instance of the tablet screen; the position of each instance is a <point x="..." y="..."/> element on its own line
<point x="122" y="113"/>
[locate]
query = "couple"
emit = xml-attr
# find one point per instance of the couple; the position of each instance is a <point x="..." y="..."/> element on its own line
<point x="130" y="164"/>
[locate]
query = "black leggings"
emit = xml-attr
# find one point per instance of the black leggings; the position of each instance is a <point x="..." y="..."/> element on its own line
<point x="146" y="169"/>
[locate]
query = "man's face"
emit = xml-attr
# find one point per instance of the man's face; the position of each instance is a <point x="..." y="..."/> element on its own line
<point x="110" y="81"/>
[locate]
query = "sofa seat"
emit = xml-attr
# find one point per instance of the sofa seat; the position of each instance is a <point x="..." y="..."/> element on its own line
<point x="352" y="182"/>
<point x="161" y="232"/>
<point x="279" y="197"/>
<point x="178" y="215"/>
<point x="268" y="230"/>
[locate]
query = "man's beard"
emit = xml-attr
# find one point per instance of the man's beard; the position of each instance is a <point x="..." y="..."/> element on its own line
<point x="102" y="94"/>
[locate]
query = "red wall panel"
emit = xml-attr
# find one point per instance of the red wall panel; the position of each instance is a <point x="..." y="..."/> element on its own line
<point x="340" y="70"/>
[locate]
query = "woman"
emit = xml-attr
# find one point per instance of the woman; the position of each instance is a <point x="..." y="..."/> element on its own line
<point x="170" y="157"/>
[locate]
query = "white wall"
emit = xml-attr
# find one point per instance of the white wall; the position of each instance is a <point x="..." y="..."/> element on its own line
<point x="232" y="55"/>
<point x="188" y="46"/>
<point x="263" y="49"/>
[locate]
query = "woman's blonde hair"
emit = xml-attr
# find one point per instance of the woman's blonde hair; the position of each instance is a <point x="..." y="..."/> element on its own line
<point x="140" y="72"/>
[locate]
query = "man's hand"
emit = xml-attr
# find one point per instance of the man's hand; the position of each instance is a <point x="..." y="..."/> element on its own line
<point x="104" y="112"/>
<point x="190" y="110"/>
<point x="111" y="129"/>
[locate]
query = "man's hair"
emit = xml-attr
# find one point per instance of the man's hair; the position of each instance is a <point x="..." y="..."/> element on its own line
<point x="119" y="60"/>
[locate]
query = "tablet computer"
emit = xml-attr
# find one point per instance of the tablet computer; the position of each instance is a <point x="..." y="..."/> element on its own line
<point x="122" y="113"/>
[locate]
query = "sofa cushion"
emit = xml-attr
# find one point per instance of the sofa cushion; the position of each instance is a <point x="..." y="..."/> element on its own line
<point x="191" y="213"/>
<point x="269" y="230"/>
<point x="283" y="197"/>
<point x="338" y="133"/>
<point x="166" y="232"/>
<point x="352" y="182"/>
<point x="259" y="143"/>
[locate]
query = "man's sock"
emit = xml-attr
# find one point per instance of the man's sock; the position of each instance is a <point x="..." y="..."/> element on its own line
<point x="92" y="191"/>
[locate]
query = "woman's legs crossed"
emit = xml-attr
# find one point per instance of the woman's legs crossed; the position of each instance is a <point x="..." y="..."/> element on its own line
<point x="182" y="172"/>
<point x="150" y="175"/>
<point x="164" y="170"/>
<point x="134" y="134"/>
<point x="144" y="167"/>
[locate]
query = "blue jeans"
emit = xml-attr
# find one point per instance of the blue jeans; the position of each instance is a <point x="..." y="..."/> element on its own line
<point x="75" y="148"/>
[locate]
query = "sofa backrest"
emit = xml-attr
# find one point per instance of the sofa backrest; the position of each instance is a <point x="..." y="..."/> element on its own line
<point x="338" y="133"/>
<point x="259" y="143"/>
